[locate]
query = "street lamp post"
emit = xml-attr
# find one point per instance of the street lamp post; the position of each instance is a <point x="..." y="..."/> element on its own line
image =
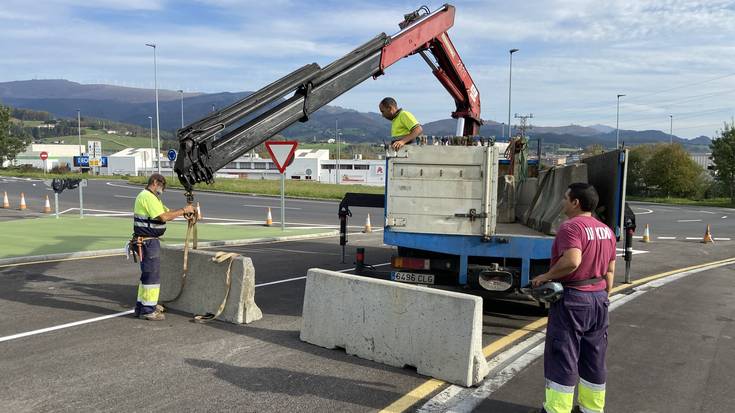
<point x="336" y="138"/>
<point x="671" y="129"/>
<point x="182" y="108"/>
<point x="79" y="130"/>
<point x="150" y="118"/>
<point x="510" y="79"/>
<point x="158" y="126"/>
<point x="617" y="124"/>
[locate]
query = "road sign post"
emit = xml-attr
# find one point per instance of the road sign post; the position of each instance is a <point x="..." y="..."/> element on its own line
<point x="172" y="157"/>
<point x="282" y="154"/>
<point x="94" y="149"/>
<point x="44" y="156"/>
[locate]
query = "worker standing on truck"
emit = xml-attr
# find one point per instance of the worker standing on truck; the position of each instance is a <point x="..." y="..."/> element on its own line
<point x="149" y="223"/>
<point x="404" y="128"/>
<point x="583" y="261"/>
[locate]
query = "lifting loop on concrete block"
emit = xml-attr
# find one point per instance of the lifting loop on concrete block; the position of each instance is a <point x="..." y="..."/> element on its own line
<point x="191" y="234"/>
<point x="220" y="257"/>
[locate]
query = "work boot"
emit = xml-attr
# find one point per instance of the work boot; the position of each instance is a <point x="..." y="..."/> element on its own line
<point x="154" y="316"/>
<point x="160" y="308"/>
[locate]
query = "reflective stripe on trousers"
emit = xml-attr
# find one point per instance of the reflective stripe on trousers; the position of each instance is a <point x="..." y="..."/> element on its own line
<point x="559" y="398"/>
<point x="149" y="287"/>
<point x="591" y="396"/>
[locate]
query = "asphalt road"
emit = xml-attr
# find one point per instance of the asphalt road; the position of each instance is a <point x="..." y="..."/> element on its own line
<point x="117" y="197"/>
<point x="680" y="222"/>
<point x="126" y="364"/>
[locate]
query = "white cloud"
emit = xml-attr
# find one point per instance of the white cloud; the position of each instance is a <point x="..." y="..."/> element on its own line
<point x="576" y="55"/>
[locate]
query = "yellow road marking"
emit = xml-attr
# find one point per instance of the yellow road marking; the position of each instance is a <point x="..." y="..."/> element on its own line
<point x="644" y="280"/>
<point x="431" y="385"/>
<point x="62" y="259"/>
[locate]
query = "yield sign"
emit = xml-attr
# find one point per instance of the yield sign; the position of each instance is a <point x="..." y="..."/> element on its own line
<point x="281" y="153"/>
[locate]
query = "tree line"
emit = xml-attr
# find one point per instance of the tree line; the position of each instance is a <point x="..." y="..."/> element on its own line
<point x="667" y="170"/>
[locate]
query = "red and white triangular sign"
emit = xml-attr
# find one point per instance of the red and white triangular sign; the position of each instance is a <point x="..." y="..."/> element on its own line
<point x="281" y="152"/>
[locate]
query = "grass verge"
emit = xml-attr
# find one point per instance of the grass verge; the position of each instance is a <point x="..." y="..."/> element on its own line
<point x="48" y="235"/>
<point x="714" y="202"/>
<point x="294" y="188"/>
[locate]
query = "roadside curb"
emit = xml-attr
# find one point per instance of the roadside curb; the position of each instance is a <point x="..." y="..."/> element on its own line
<point x="121" y="251"/>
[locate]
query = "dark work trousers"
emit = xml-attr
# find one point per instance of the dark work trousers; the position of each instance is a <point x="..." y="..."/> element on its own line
<point x="576" y="338"/>
<point x="150" y="277"/>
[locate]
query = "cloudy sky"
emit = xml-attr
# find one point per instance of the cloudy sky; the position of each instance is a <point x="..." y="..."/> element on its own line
<point x="668" y="57"/>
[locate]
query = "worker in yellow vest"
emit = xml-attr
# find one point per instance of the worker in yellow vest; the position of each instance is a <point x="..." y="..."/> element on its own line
<point x="149" y="223"/>
<point x="404" y="128"/>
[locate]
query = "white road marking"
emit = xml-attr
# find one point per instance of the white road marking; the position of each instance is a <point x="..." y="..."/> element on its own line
<point x="694" y="238"/>
<point x="725" y="216"/>
<point x="707" y="212"/>
<point x="59" y="327"/>
<point x="267" y="206"/>
<point x="721" y="239"/>
<point x="637" y="237"/>
<point x="109" y="316"/>
<point x="648" y="211"/>
<point x="466" y="400"/>
<point x="666" y="237"/>
<point x="634" y="251"/>
<point x="688" y="220"/>
<point x="125" y="196"/>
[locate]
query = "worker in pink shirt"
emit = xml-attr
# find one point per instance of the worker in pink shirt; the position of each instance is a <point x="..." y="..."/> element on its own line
<point x="583" y="261"/>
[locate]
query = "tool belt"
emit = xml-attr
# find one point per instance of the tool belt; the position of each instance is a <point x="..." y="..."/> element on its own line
<point x="577" y="283"/>
<point x="135" y="246"/>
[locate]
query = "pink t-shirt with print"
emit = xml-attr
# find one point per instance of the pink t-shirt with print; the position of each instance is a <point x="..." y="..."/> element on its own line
<point x="597" y="243"/>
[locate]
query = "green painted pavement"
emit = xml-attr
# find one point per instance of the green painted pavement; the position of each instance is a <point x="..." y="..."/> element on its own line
<point x="48" y="235"/>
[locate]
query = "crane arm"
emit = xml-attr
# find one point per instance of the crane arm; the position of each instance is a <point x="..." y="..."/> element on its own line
<point x="209" y="144"/>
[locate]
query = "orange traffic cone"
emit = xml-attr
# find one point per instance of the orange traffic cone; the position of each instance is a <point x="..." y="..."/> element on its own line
<point x="47" y="207"/>
<point x="708" y="237"/>
<point x="646" y="235"/>
<point x="22" y="201"/>
<point x="269" y="219"/>
<point x="6" y="203"/>
<point x="368" y="227"/>
<point x="199" y="212"/>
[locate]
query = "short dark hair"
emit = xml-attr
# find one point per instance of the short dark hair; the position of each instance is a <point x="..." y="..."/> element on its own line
<point x="586" y="194"/>
<point x="157" y="178"/>
<point x="388" y="102"/>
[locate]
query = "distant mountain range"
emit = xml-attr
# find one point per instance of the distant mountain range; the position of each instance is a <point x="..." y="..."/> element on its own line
<point x="62" y="98"/>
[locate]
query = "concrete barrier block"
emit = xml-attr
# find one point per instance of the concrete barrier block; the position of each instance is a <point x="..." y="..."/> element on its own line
<point x="545" y="213"/>
<point x="506" y="210"/>
<point x="438" y="332"/>
<point x="205" y="285"/>
<point x="524" y="196"/>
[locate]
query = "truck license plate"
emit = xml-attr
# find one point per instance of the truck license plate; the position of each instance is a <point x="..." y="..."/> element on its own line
<point x="411" y="277"/>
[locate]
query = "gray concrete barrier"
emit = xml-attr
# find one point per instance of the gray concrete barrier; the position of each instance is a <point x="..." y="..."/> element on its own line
<point x="438" y="332"/>
<point x="205" y="286"/>
<point x="545" y="213"/>
<point x="506" y="209"/>
<point x="525" y="192"/>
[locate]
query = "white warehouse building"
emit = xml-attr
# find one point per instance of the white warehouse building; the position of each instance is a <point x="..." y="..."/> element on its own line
<point x="308" y="165"/>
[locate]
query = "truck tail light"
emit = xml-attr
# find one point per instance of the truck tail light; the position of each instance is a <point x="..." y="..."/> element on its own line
<point x="408" y="263"/>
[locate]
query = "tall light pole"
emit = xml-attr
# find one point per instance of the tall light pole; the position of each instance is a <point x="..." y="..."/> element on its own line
<point x="158" y="126"/>
<point x="617" y="124"/>
<point x="671" y="129"/>
<point x="336" y="138"/>
<point x="182" y="107"/>
<point x="79" y="130"/>
<point x="510" y="79"/>
<point x="150" y="118"/>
